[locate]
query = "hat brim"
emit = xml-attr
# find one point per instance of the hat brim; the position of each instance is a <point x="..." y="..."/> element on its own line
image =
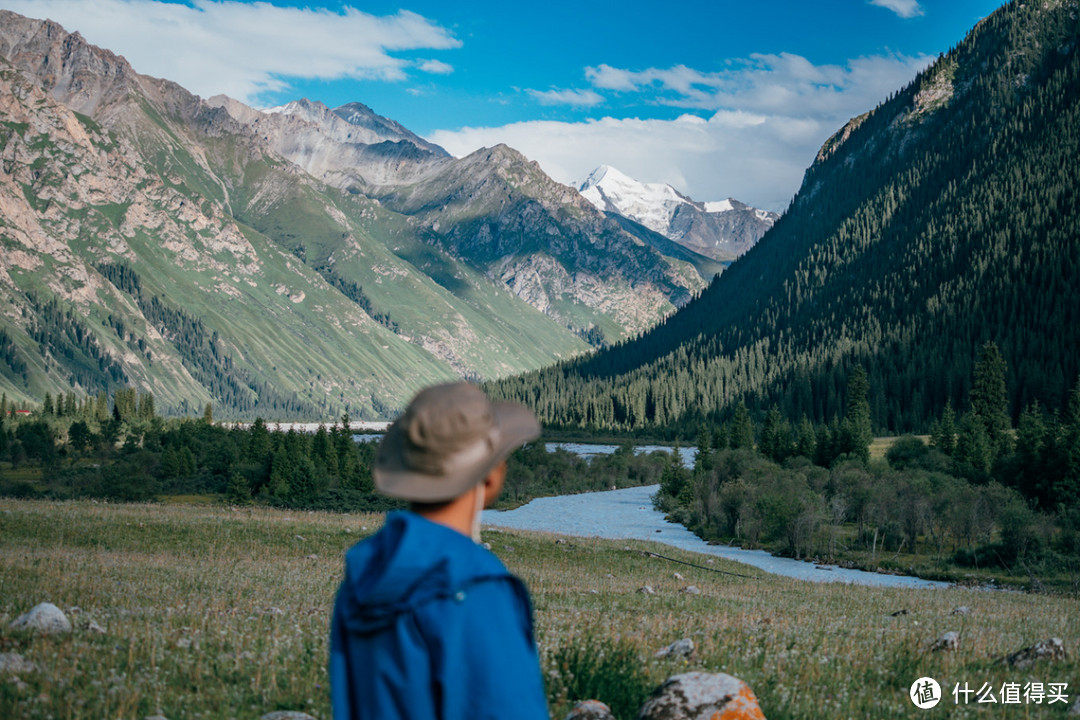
<point x="513" y="425"/>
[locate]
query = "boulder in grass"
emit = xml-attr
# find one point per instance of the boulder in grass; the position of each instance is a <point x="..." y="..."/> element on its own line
<point x="948" y="642"/>
<point x="590" y="710"/>
<point x="15" y="664"/>
<point x="45" y="618"/>
<point x="1052" y="649"/>
<point x="702" y="696"/>
<point x="679" y="649"/>
<point x="1074" y="711"/>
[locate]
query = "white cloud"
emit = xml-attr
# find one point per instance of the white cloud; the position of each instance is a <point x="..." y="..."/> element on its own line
<point x="763" y="122"/>
<point x="246" y="49"/>
<point x="903" y="8"/>
<point x="580" y="98"/>
<point x="436" y="67"/>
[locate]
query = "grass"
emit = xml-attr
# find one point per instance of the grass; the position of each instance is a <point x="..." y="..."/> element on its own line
<point x="211" y="612"/>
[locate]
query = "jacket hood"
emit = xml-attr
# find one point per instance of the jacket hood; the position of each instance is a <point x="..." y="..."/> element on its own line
<point x="410" y="561"/>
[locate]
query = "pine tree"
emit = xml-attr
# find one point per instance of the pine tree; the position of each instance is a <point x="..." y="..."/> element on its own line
<point x="1067" y="490"/>
<point x="989" y="399"/>
<point x="239" y="491"/>
<point x="703" y="460"/>
<point x="742" y="429"/>
<point x="974" y="453"/>
<point x="943" y="432"/>
<point x="856" y="431"/>
<point x="807" y="442"/>
<point x="674" y="479"/>
<point x="281" y="474"/>
<point x="775" y="436"/>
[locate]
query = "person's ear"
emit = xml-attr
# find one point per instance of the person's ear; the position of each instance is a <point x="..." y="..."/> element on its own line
<point x="493" y="483"/>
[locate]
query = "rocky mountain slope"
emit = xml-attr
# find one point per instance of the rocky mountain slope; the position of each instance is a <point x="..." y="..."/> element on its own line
<point x="495" y="208"/>
<point x="721" y="230"/>
<point x="299" y="262"/>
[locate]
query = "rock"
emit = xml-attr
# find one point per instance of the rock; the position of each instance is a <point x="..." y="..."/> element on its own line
<point x="155" y="717"/>
<point x="949" y="641"/>
<point x="1074" y="711"/>
<point x="1052" y="649"/>
<point x="699" y="695"/>
<point x="678" y="576"/>
<point x="679" y="649"/>
<point x="46" y="618"/>
<point x="286" y="715"/>
<point x="14" y="663"/>
<point x="962" y="610"/>
<point x="692" y="590"/>
<point x="646" y="590"/>
<point x="590" y="710"/>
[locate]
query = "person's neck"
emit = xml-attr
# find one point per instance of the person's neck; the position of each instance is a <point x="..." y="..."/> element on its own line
<point x="456" y="514"/>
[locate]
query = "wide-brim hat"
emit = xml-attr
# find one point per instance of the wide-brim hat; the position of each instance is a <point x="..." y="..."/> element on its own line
<point x="447" y="440"/>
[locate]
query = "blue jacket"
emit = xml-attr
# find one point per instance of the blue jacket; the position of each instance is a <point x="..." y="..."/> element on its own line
<point x="428" y="624"/>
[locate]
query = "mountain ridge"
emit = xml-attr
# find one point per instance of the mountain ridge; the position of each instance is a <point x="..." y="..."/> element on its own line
<point x="265" y="288"/>
<point x="721" y="230"/>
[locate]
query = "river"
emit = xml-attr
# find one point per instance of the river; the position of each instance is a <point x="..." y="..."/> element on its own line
<point x="629" y="515"/>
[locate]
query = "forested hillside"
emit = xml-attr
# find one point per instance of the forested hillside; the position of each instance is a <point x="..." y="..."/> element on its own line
<point x="944" y="219"/>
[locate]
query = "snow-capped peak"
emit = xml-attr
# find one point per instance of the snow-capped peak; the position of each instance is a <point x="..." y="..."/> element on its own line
<point x="651" y="204"/>
<point x="719" y="206"/>
<point x="723" y="229"/>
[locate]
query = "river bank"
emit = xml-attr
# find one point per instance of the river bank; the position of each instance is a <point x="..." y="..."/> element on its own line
<point x="629" y="514"/>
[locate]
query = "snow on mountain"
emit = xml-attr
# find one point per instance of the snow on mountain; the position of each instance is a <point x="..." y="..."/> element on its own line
<point x="719" y="206"/>
<point x="721" y="229"/>
<point x="651" y="204"/>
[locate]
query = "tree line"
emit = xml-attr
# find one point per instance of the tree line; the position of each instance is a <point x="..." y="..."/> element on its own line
<point x="119" y="448"/>
<point x="979" y="493"/>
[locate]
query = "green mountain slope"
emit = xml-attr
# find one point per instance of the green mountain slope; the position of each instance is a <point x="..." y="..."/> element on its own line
<point x="153" y="239"/>
<point x="945" y="218"/>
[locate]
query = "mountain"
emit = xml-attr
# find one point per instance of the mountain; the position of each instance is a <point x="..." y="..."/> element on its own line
<point x="946" y="218"/>
<point x="496" y="208"/>
<point x="299" y="262"/>
<point x="721" y="230"/>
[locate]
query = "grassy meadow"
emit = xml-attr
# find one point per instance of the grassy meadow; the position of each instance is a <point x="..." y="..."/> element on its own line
<point x="208" y="612"/>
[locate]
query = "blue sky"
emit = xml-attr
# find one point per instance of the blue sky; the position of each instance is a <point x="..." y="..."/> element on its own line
<point x="716" y="98"/>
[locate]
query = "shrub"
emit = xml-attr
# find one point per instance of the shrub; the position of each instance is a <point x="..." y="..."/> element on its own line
<point x="594" y="667"/>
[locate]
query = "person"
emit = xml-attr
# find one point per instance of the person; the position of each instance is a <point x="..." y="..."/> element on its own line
<point x="427" y="622"/>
